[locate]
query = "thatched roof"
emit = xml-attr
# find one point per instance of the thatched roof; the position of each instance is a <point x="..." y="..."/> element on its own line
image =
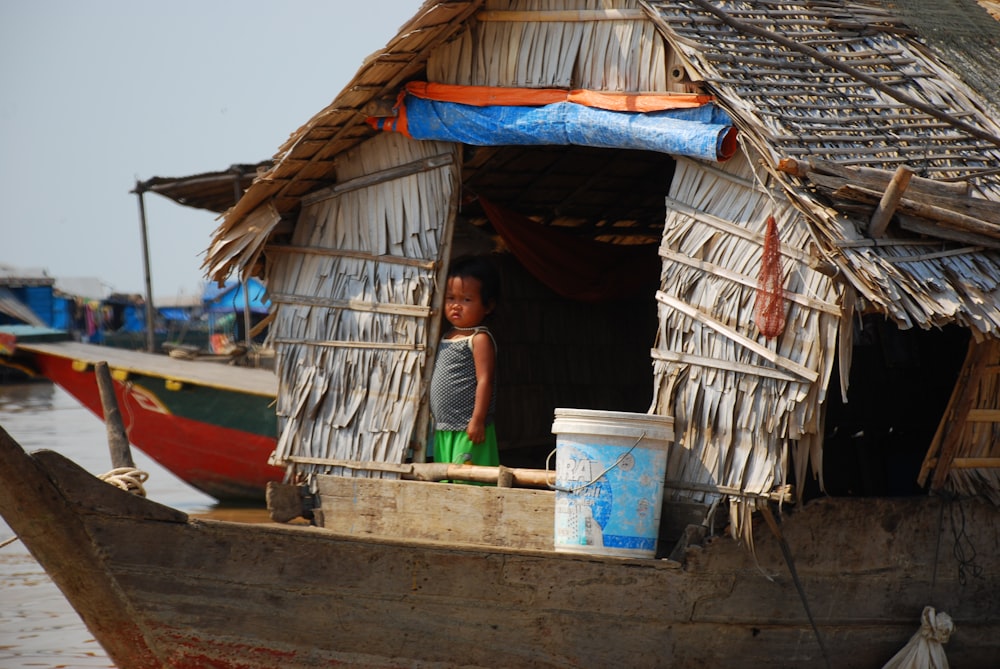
<point x="213" y="191"/>
<point x="843" y="81"/>
<point x="831" y="99"/>
<point x="847" y="83"/>
<point x="963" y="33"/>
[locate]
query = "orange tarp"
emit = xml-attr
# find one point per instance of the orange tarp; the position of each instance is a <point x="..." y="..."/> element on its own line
<point x="485" y="96"/>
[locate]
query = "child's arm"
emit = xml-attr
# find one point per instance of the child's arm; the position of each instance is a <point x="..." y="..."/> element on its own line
<point x="485" y="358"/>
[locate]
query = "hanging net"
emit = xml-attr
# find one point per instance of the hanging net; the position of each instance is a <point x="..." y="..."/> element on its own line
<point x="769" y="309"/>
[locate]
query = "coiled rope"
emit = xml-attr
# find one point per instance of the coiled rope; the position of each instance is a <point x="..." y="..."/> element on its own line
<point x="128" y="479"/>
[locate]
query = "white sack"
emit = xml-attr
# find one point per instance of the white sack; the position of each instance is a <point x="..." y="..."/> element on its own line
<point x="925" y="649"/>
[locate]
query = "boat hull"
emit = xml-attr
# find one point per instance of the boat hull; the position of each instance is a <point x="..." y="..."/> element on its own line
<point x="211" y="425"/>
<point x="159" y="589"/>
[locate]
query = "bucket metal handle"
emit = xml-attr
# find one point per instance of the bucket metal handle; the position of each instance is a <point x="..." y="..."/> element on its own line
<point x="617" y="462"/>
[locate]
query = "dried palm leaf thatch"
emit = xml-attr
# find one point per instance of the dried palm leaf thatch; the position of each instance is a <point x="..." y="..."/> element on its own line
<point x="739" y="401"/>
<point x="354" y="294"/>
<point x="845" y="82"/>
<point x="605" y="45"/>
<point x="308" y="159"/>
<point x="239" y="246"/>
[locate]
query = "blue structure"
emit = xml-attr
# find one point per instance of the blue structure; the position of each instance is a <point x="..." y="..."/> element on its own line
<point x="226" y="307"/>
<point x="28" y="297"/>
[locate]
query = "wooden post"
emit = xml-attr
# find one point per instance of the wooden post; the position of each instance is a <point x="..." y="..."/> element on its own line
<point x="890" y="200"/>
<point x="150" y="312"/>
<point x="121" y="454"/>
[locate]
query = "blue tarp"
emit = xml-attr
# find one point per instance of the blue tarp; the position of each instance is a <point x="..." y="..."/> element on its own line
<point x="229" y="297"/>
<point x="699" y="132"/>
<point x="174" y="314"/>
<point x="135" y="319"/>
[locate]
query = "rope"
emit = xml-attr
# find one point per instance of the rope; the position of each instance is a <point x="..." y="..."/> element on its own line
<point x="963" y="549"/>
<point x="786" y="551"/>
<point x="8" y="542"/>
<point x="128" y="479"/>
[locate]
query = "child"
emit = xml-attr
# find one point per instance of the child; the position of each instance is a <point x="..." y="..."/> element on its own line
<point x="463" y="386"/>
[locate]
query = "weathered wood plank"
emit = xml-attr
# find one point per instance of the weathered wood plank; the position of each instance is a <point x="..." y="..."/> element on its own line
<point x="211" y="375"/>
<point x="510" y="517"/>
<point x="203" y="592"/>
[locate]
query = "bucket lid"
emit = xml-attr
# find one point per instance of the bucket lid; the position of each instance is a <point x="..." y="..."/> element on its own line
<point x="592" y="421"/>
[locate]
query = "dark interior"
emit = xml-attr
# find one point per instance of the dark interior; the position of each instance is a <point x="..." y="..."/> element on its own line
<point x="557" y="352"/>
<point x="901" y="381"/>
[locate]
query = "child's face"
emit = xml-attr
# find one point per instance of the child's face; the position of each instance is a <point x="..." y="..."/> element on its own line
<point x="463" y="302"/>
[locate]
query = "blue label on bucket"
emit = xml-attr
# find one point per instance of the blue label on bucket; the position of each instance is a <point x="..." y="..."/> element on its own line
<point x="608" y="495"/>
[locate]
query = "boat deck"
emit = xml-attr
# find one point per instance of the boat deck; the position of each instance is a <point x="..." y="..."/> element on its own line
<point x="209" y="374"/>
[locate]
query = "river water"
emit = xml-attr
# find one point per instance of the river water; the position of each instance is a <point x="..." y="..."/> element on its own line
<point x="38" y="627"/>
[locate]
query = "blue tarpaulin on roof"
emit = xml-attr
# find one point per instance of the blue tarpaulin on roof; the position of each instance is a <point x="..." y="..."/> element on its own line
<point x="230" y="297"/>
<point x="174" y="314"/>
<point x="704" y="132"/>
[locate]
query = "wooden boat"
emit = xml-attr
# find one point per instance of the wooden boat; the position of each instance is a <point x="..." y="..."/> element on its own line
<point x="158" y="588"/>
<point x="212" y="425"/>
<point x="357" y="227"/>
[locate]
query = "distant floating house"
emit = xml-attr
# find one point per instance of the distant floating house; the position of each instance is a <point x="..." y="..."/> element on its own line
<point x="243" y="305"/>
<point x="30" y="297"/>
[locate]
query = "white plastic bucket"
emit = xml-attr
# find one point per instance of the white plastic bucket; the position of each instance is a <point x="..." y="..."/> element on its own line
<point x="610" y="468"/>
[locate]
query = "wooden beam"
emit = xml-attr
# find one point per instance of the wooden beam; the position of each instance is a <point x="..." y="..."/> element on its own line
<point x="971" y="463"/>
<point x="934" y="212"/>
<point x="975" y="463"/>
<point x="347" y="253"/>
<point x="871" y="177"/>
<point x="983" y="416"/>
<point x="890" y="200"/>
<point x="414" y="310"/>
<point x="968" y="385"/>
<point x="375" y="178"/>
<point x="515" y="476"/>
<point x="788" y="364"/>
<point x="924" y="227"/>
<point x="563" y="16"/>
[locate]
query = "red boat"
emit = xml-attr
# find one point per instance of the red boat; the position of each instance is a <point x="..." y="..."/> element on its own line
<point x="211" y="424"/>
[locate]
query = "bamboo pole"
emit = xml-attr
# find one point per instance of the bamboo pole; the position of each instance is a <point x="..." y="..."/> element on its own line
<point x="515" y="476"/>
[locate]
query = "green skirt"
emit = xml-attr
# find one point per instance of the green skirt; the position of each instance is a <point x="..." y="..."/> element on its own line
<point x="455" y="447"/>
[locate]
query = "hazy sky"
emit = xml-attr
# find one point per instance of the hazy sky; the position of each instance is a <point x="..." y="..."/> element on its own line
<point x="97" y="95"/>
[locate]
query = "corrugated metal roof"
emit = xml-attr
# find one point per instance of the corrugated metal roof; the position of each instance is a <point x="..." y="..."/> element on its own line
<point x="24" y="276"/>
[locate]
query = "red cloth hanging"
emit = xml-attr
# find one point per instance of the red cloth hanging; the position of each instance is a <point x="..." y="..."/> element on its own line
<point x="769" y="309"/>
<point x="574" y="267"/>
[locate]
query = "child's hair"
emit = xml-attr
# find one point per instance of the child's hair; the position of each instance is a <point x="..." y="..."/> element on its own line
<point x="481" y="268"/>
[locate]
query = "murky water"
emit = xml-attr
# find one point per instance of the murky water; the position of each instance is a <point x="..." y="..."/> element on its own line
<point x="38" y="627"/>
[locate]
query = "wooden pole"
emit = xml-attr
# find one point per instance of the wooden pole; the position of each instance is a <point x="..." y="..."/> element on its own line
<point x="513" y="476"/>
<point x="890" y="200"/>
<point x="121" y="454"/>
<point x="150" y="325"/>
